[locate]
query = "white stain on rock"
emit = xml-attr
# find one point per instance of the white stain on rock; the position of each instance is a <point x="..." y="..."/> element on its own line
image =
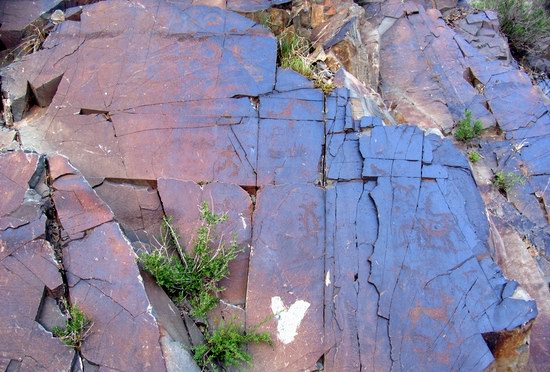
<point x="288" y="319"/>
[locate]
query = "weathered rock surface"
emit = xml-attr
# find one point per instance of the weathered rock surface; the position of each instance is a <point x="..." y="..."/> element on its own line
<point x="286" y="276"/>
<point x="368" y="244"/>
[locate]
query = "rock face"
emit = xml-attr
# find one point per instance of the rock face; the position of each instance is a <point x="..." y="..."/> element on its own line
<point x="365" y="245"/>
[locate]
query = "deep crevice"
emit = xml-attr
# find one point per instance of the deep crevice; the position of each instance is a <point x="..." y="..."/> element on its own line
<point x="44" y="94"/>
<point x="320" y="364"/>
<point x="54" y="232"/>
<point x="14" y="366"/>
<point x="128" y="181"/>
<point x="106" y="114"/>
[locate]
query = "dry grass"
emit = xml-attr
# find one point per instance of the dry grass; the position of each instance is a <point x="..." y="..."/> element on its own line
<point x="294" y="54"/>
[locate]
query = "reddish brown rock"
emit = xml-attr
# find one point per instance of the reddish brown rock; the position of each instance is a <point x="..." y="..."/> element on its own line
<point x="104" y="279"/>
<point x="21" y="218"/>
<point x="78" y="207"/>
<point x="26" y="275"/>
<point x="104" y="282"/>
<point x="17" y="15"/>
<point x="368" y="242"/>
<point x="18" y="168"/>
<point x="28" y="271"/>
<point x="136" y="207"/>
<point x="352" y="40"/>
<point x="118" y="120"/>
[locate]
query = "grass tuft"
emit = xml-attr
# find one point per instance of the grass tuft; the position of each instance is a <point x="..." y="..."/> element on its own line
<point x="465" y="130"/>
<point x="226" y="346"/>
<point x="76" y="330"/>
<point x="192" y="278"/>
<point x="505" y="181"/>
<point x="294" y="54"/>
<point x="474" y="156"/>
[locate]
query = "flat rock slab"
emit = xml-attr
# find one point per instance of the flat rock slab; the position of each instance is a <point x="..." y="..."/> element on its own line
<point x="106" y="285"/>
<point x="21" y="218"/>
<point x="136" y="207"/>
<point x="374" y="226"/>
<point x="286" y="277"/>
<point x="26" y="276"/>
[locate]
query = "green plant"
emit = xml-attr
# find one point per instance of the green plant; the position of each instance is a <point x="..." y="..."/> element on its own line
<point x="465" y="131"/>
<point x="226" y="346"/>
<point x="326" y="86"/>
<point x="474" y="156"/>
<point x="192" y="278"/>
<point x="505" y="181"/>
<point x="293" y="53"/>
<point x="525" y="22"/>
<point x="76" y="330"/>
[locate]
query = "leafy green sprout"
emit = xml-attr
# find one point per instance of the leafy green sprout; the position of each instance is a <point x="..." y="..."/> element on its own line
<point x="474" y="156"/>
<point x="227" y="346"/>
<point x="76" y="330"/>
<point x="465" y="130"/>
<point x="191" y="278"/>
<point x="505" y="181"/>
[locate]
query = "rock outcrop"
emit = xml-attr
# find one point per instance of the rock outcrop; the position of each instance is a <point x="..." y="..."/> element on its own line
<point x="366" y="246"/>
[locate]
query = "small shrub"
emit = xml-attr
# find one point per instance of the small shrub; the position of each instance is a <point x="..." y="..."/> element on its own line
<point x="474" y="156"/>
<point x="76" y="330"/>
<point x="505" y="181"/>
<point x="226" y="346"/>
<point x="465" y="131"/>
<point x="192" y="278"/>
<point x="525" y="23"/>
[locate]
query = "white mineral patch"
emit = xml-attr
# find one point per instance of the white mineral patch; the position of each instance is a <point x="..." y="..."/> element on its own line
<point x="243" y="221"/>
<point x="288" y="319"/>
<point x="327" y="278"/>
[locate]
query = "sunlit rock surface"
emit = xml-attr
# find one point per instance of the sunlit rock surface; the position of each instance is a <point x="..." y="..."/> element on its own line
<point x="365" y="245"/>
